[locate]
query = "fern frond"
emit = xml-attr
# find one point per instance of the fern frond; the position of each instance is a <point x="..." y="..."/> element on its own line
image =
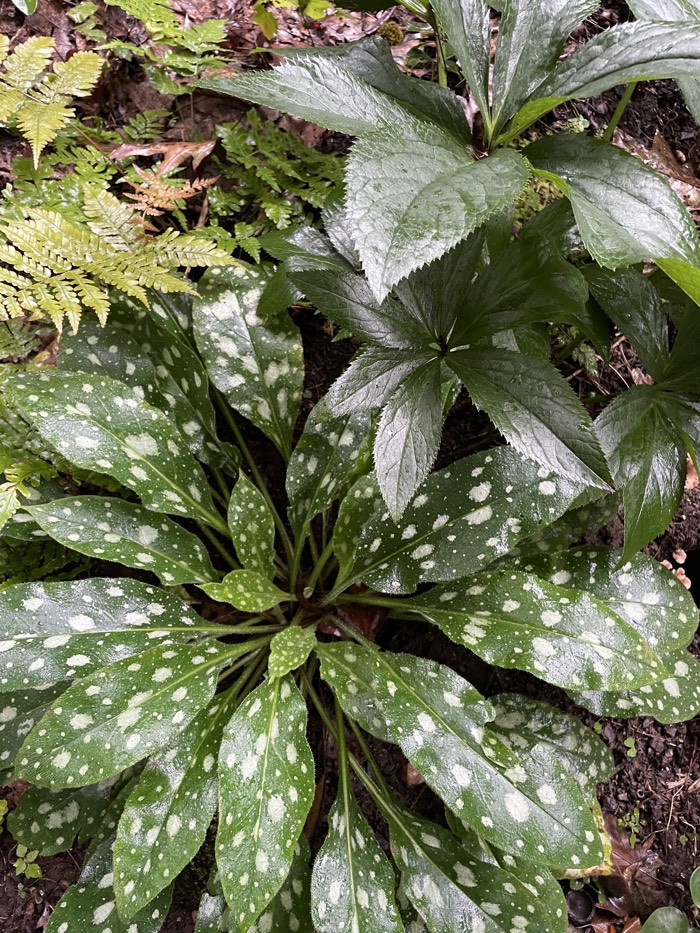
<point x="39" y="122"/>
<point x="109" y="218"/>
<point x="28" y="62"/>
<point x="75" y="77"/>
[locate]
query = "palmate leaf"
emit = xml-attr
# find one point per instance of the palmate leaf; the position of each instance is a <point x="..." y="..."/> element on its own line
<point x="468" y="27"/>
<point x="266" y="786"/>
<point x="322" y="462"/>
<point x="78" y="744"/>
<point x="451" y="889"/>
<point x="19" y="713"/>
<point x="90" y="902"/>
<point x="101" y="424"/>
<point x="465" y="517"/>
<point x="530" y="807"/>
<point x="352" y="883"/>
<point x="372" y="378"/>
<point x="112" y="529"/>
<point x="647" y="459"/>
<point x="49" y="820"/>
<point x="256" y="364"/>
<point x="412" y="197"/>
<point x="625" y="211"/>
<point x="56" y="631"/>
<point x="566" y="636"/>
<point x="166" y="817"/>
<point x="252" y="527"/>
<point x="246" y="590"/>
<point x="535" y="409"/>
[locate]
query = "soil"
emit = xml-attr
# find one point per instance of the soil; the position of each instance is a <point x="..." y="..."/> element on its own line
<point x="655" y="795"/>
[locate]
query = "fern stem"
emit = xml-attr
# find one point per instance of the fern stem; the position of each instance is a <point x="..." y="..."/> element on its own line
<point x="619" y="110"/>
<point x="260" y="483"/>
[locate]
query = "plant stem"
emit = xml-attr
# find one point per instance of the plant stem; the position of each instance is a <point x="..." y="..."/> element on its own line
<point x="223" y="485"/>
<point x="619" y="110"/>
<point x="378" y="776"/>
<point x="320" y="564"/>
<point x="236" y="431"/>
<point x="212" y="538"/>
<point x="439" y="49"/>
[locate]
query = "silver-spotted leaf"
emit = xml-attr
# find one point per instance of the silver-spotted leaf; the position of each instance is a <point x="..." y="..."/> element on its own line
<point x="528" y="807"/>
<point x="266" y="786"/>
<point x="100" y="424"/>
<point x="566" y="636"/>
<point x="465" y="516"/>
<point x="322" y="463"/>
<point x="252" y="527"/>
<point x="58" y="631"/>
<point x="49" y="820"/>
<point x="256" y="363"/>
<point x="290" y="648"/>
<point x="356" y="509"/>
<point x="246" y="590"/>
<point x="291" y="906"/>
<point x="352" y="883"/>
<point x="89" y="905"/>
<point x="211" y="914"/>
<point x="20" y="711"/>
<point x="166" y="817"/>
<point x="453" y="890"/>
<point x="108" y="721"/>
<point x="111" y="529"/>
<point x="522" y="723"/>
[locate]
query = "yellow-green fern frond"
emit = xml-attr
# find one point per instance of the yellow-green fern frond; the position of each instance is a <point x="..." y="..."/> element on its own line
<point x="38" y="100"/>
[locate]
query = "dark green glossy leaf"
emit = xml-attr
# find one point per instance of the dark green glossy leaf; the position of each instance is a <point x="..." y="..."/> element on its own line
<point x="408" y="436"/>
<point x="256" y="364"/>
<point x="630" y="299"/>
<point x="166" y="816"/>
<point x="352" y="884"/>
<point x="246" y="590"/>
<point x="625" y="211"/>
<point x="465" y="517"/>
<point x="291" y="907"/>
<point x="252" y="527"/>
<point x="112" y="529"/>
<point x="527" y="806"/>
<point x="290" y="648"/>
<point x="82" y="739"/>
<point x="356" y="509"/>
<point x="372" y="378"/>
<point x="100" y="424"/>
<point x="56" y="631"/>
<point x="647" y="460"/>
<point x="89" y="904"/>
<point x="412" y="197"/>
<point x="666" y="920"/>
<point x="266" y="779"/>
<point x="535" y="409"/>
<point x="565" y="636"/>
<point x="468" y="27"/>
<point x="322" y="463"/>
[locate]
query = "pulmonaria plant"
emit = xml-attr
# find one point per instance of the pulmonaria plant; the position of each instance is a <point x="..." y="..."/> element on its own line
<point x="150" y="726"/>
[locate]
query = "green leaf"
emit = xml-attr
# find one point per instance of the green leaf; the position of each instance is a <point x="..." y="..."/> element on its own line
<point x="522" y="723"/>
<point x="19" y="713"/>
<point x="356" y="509"/>
<point x="100" y="424"/>
<point x="56" y="631"/>
<point x="412" y="197"/>
<point x="451" y="889"/>
<point x="10" y="503"/>
<point x="85" y="740"/>
<point x="90" y="902"/>
<point x="290" y="648"/>
<point x="166" y="817"/>
<point x="26" y="6"/>
<point x="322" y="462"/>
<point x="49" y="820"/>
<point x="352" y="884"/>
<point x="531" y="38"/>
<point x="468" y="27"/>
<point x="627" y="52"/>
<point x="408" y="437"/>
<point x="266" y="780"/>
<point x="290" y="909"/>
<point x="252" y="527"/>
<point x="695" y="887"/>
<point x="256" y="364"/>
<point x="565" y="636"/>
<point x="647" y="460"/>
<point x="626" y="212"/>
<point x="246" y="590"/>
<point x="529" y="805"/>
<point x="466" y="516"/>
<point x="372" y="378"/>
<point x="111" y="529"/>
<point x="211" y="914"/>
<point x="630" y="299"/>
<point x="666" y="920"/>
<point x="535" y="409"/>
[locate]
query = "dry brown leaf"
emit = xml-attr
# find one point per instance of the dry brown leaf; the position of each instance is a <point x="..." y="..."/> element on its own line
<point x="174" y="154"/>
